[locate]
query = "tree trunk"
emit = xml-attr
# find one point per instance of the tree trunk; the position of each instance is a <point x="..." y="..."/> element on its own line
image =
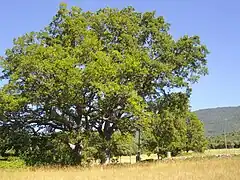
<point x="76" y="152"/>
<point x="108" y="156"/>
<point x="106" y="135"/>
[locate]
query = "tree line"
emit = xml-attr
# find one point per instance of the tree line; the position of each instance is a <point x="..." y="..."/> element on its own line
<point x="79" y="89"/>
<point x="228" y="140"/>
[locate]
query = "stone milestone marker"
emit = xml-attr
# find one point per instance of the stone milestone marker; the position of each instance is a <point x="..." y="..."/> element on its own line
<point x="169" y="156"/>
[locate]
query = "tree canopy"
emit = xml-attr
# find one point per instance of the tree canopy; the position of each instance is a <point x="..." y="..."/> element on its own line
<point x="100" y="71"/>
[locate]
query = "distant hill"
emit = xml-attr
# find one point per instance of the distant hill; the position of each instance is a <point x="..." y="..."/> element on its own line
<point x="218" y="119"/>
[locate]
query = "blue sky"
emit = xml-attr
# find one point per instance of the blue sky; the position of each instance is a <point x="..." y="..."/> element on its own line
<point x="215" y="21"/>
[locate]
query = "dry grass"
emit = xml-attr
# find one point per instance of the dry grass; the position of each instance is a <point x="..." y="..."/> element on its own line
<point x="222" y="151"/>
<point x="210" y="152"/>
<point x="204" y="169"/>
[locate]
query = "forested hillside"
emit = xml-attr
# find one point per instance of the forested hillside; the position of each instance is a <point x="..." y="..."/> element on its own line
<point x="219" y="119"/>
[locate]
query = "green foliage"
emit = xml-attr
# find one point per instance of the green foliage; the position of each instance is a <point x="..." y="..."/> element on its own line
<point x="174" y="128"/>
<point x="166" y="134"/>
<point x="47" y="151"/>
<point x="196" y="140"/>
<point x="13" y="138"/>
<point x="218" y="142"/>
<point x="167" y="131"/>
<point x="123" y="145"/>
<point x="91" y="74"/>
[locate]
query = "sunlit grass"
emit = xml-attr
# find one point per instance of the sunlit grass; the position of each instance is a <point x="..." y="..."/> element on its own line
<point x="221" y="151"/>
<point x="204" y="169"/>
<point x="210" y="152"/>
<point x="196" y="168"/>
<point x="11" y="162"/>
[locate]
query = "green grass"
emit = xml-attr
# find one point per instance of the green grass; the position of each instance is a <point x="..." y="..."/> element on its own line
<point x="11" y="163"/>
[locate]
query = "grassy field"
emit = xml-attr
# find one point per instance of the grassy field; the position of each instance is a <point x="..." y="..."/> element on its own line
<point x="204" y="169"/>
<point x="211" y="152"/>
<point x="210" y="167"/>
<point x="221" y="151"/>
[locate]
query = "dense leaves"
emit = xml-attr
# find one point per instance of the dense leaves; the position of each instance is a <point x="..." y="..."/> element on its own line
<point x="232" y="140"/>
<point x="103" y="72"/>
<point x="196" y="140"/>
<point x="174" y="128"/>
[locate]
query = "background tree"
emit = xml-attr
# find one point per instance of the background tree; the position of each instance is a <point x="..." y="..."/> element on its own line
<point x="196" y="140"/>
<point x="123" y="145"/>
<point x="167" y="131"/>
<point x="218" y="142"/>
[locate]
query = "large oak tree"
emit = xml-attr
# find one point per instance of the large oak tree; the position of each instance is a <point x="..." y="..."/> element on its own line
<point x="96" y="71"/>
